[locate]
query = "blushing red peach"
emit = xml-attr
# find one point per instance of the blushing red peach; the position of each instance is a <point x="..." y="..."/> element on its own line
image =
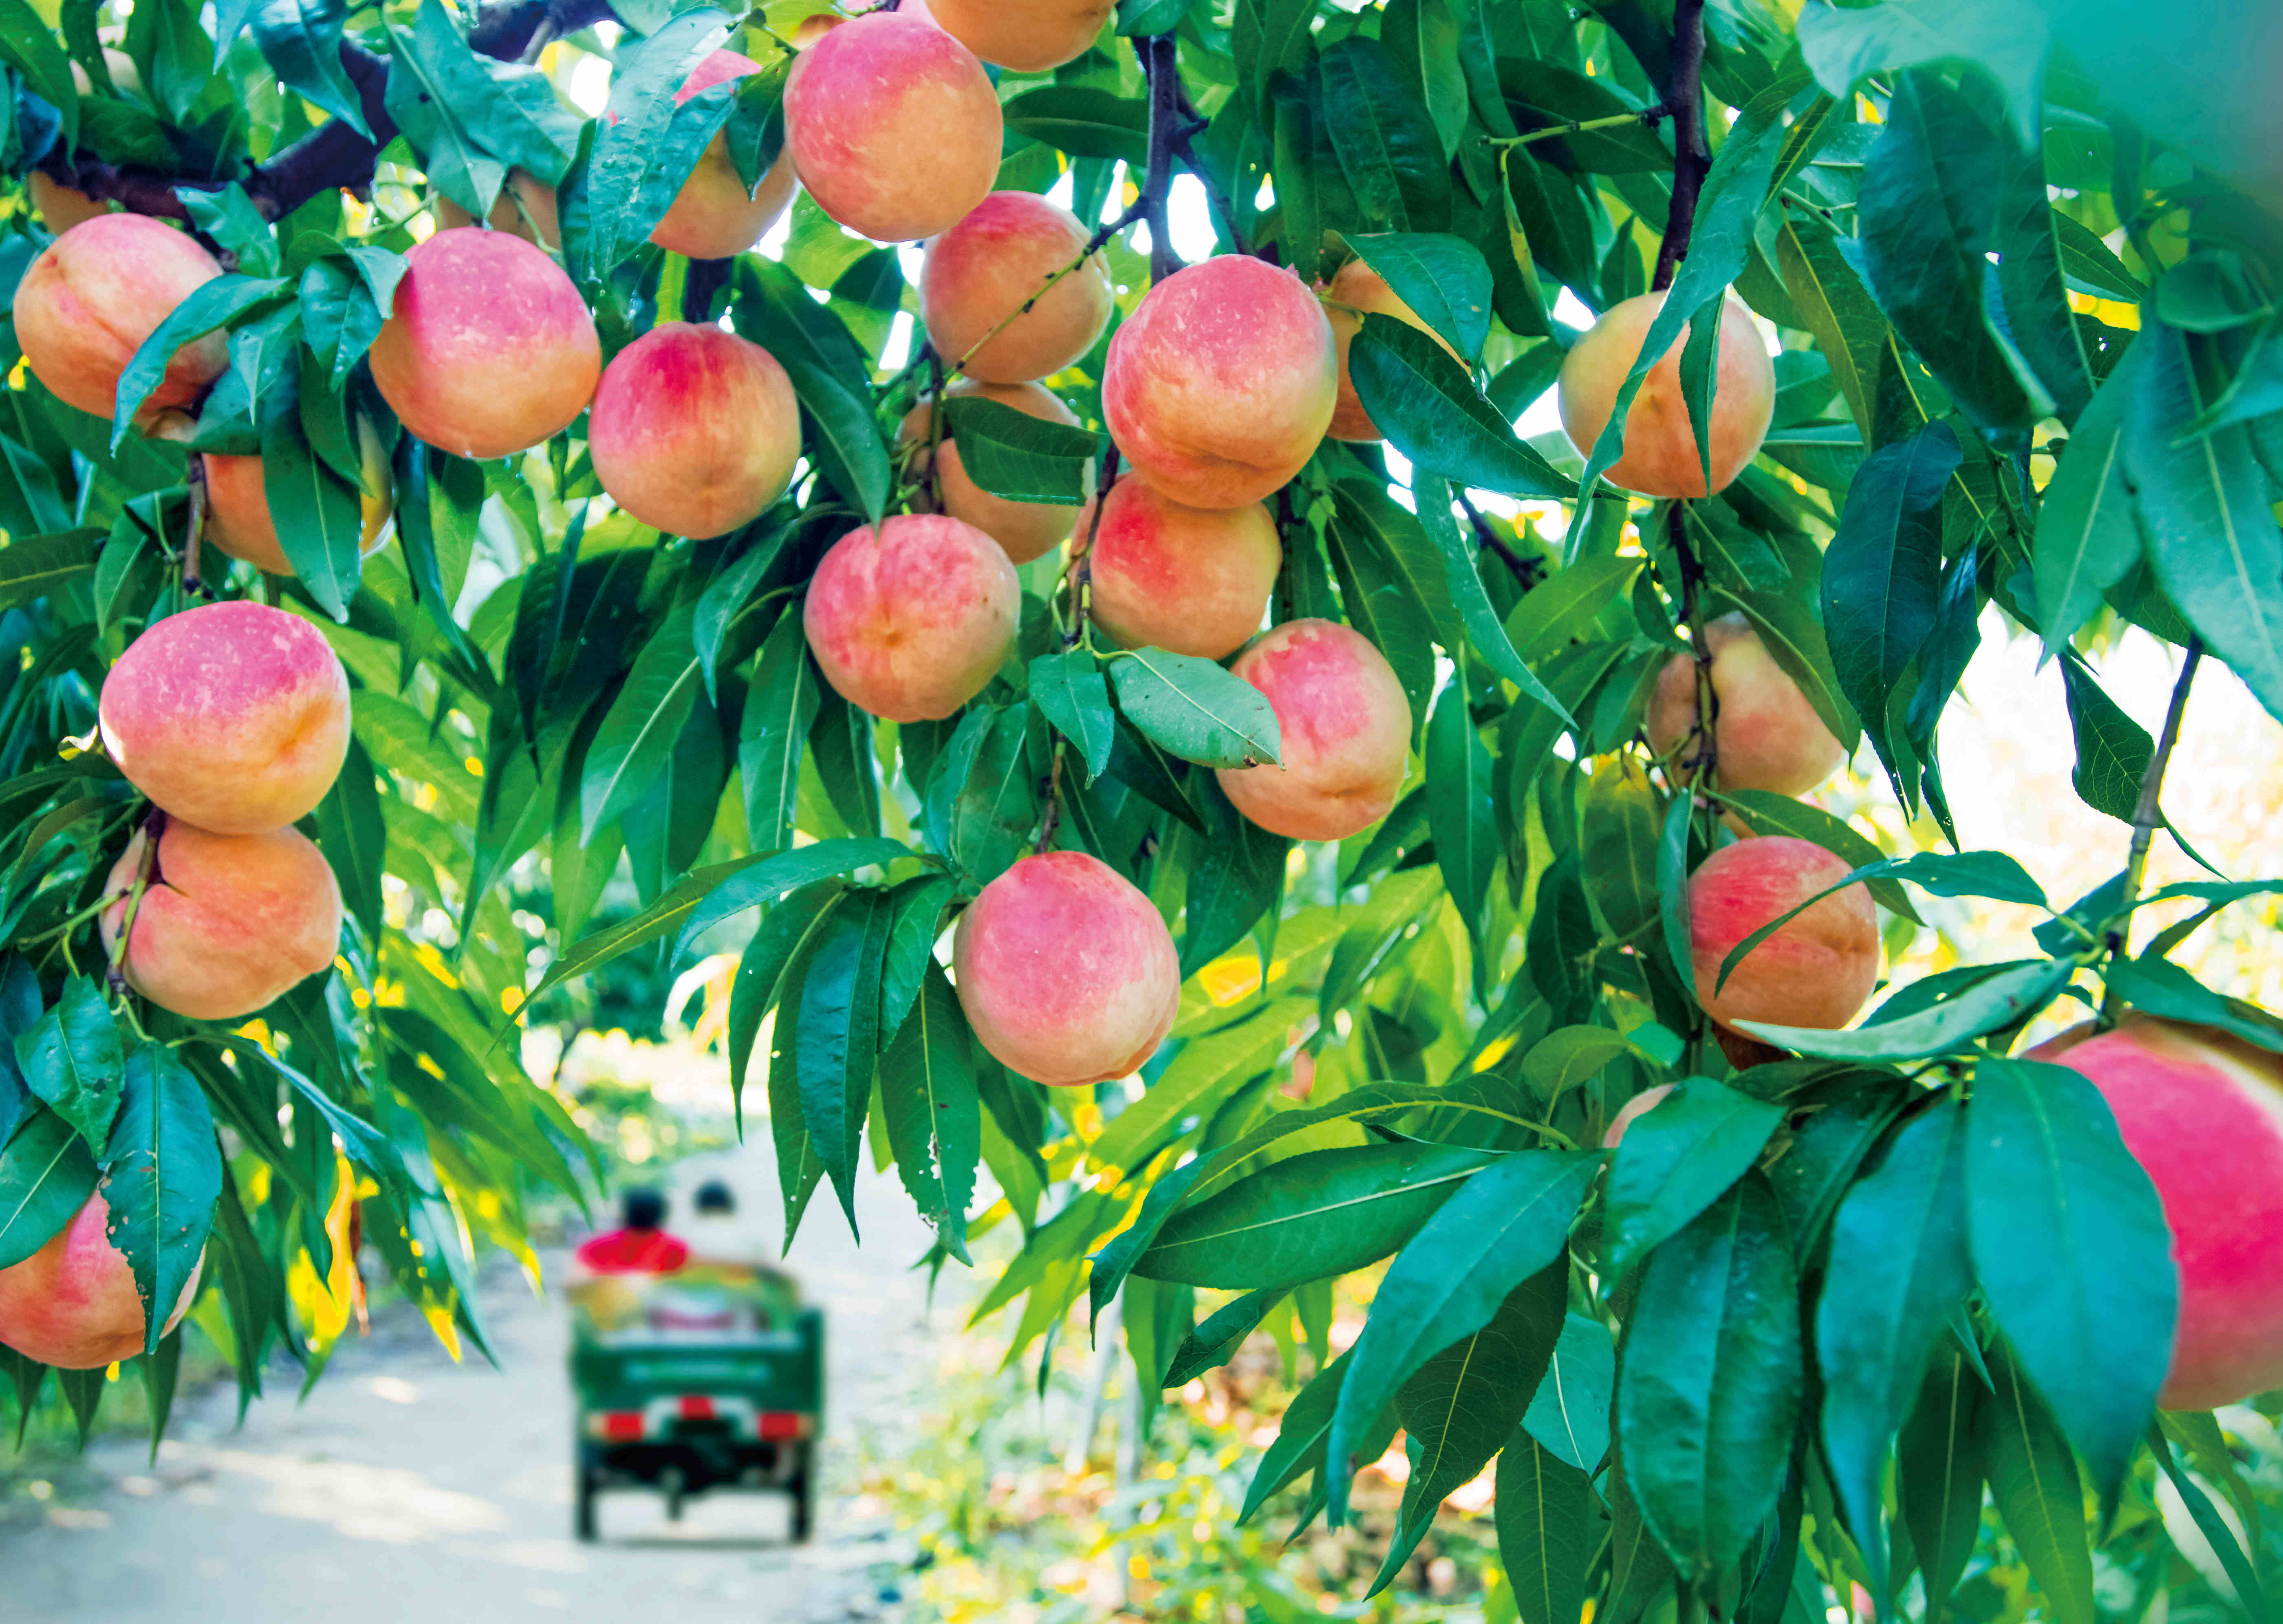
<point x="95" y="294"/>
<point x="892" y="125"/>
<point x="72" y="1303"/>
<point x="1356" y="291"/>
<point x="526" y="207"/>
<point x="489" y="349"/>
<point x="911" y="621"/>
<point x="980" y="273"/>
<point x="1028" y="36"/>
<point x="228" y="922"/>
<point x="1223" y="382"/>
<point x="233" y="717"/>
<point x="61" y="206"/>
<point x="238" y="520"/>
<point x="2202" y="1113"/>
<point x="1027" y="530"/>
<point x="1066" y="972"/>
<point x="1638" y="1106"/>
<point x="1346" y="728"/>
<point x="1194" y="580"/>
<point x="714" y="216"/>
<point x="1817" y="971"/>
<point x="1660" y="443"/>
<point x="693" y="430"/>
<point x="1768" y="735"/>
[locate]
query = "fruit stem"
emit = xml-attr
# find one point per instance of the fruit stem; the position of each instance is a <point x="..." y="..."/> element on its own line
<point x="1080" y="633"/>
<point x="194" y="531"/>
<point x="2147" y="816"/>
<point x="1578" y="126"/>
<point x="116" y="973"/>
<point x="1692" y="157"/>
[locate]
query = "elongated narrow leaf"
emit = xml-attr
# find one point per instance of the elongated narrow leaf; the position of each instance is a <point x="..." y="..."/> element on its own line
<point x="1018" y="457"/>
<point x="1940" y="1464"/>
<point x="773" y="734"/>
<point x="210" y="306"/>
<point x="933" y="1117"/>
<point x="1071" y="692"/>
<point x="1445" y="280"/>
<point x="1569" y="1413"/>
<point x="630" y="754"/>
<point x="1197" y="711"/>
<point x="1463" y="573"/>
<point x="1458" y="806"/>
<point x="2034" y="1480"/>
<point x="1430" y="411"/>
<point x="71" y="1058"/>
<point x="46" y="1174"/>
<point x="1677" y="1160"/>
<point x="782" y="939"/>
<point x="1545" y="1531"/>
<point x="839" y="1043"/>
<point x="163" y="1175"/>
<point x="2004" y="1000"/>
<point x="765" y="878"/>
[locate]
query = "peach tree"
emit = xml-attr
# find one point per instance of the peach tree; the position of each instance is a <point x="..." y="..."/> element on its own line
<point x="488" y="500"/>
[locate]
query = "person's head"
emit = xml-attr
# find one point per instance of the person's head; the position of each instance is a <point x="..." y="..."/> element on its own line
<point x="644" y="1209"/>
<point x="715" y="1199"/>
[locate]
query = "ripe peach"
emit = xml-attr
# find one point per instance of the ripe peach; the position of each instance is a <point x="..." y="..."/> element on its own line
<point x="979" y="272"/>
<point x="72" y="1303"/>
<point x="1818" y="971"/>
<point x="1660" y="444"/>
<point x="693" y="430"/>
<point x="812" y="29"/>
<point x="1066" y="972"/>
<point x="1194" y="580"/>
<point x="489" y="349"/>
<point x="233" y="717"/>
<point x="1354" y="292"/>
<point x="239" y="520"/>
<point x="526" y="207"/>
<point x="2202" y="1113"/>
<point x="1223" y="382"/>
<point x="1028" y="36"/>
<point x="95" y="294"/>
<point x="61" y="207"/>
<point x="1768" y="735"/>
<point x="713" y="215"/>
<point x="894" y="126"/>
<point x="227" y="923"/>
<point x="912" y="621"/>
<point x="1346" y="728"/>
<point x="1027" y="530"/>
<point x="1640" y="1106"/>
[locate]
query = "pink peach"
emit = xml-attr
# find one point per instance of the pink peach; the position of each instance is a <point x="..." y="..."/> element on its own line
<point x="1661" y="456"/>
<point x="1354" y="292"/>
<point x="1029" y="36"/>
<point x="912" y="621"/>
<point x="72" y="1303"/>
<point x="526" y="207"/>
<point x="1027" y="530"/>
<point x="693" y="430"/>
<point x="238" y="520"/>
<point x="1817" y="971"/>
<point x="980" y="273"/>
<point x="714" y="216"/>
<point x="87" y="303"/>
<point x="1768" y="735"/>
<point x="1346" y="728"/>
<point x="1194" y="580"/>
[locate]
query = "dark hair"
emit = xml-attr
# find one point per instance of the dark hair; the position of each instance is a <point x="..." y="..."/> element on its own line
<point x="713" y="1196"/>
<point x="644" y="1209"/>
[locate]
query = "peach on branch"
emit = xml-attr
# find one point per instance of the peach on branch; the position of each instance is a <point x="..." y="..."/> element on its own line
<point x="1767" y="736"/>
<point x="1223" y="382"/>
<point x="87" y="302"/>
<point x="1028" y="36"/>
<point x="1066" y="972"/>
<point x="693" y="430"/>
<point x="1346" y="726"/>
<point x="238" y="520"/>
<point x="1194" y="580"/>
<point x="72" y="1303"/>
<point x="1817" y="970"/>
<point x="1027" y="530"/>
<point x="489" y="349"/>
<point x="912" y="621"/>
<point x="233" y="717"/>
<point x="1661" y="456"/>
<point x="894" y="126"/>
<point x="714" y="216"/>
<point x="227" y="922"/>
<point x="1355" y="292"/>
<point x="979" y="273"/>
<point x="526" y="207"/>
<point x="61" y="206"/>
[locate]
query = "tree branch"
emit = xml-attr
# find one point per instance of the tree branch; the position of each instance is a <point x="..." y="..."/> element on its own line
<point x="1692" y="155"/>
<point x="2148" y="815"/>
<point x="1527" y="572"/>
<point x="1168" y="128"/>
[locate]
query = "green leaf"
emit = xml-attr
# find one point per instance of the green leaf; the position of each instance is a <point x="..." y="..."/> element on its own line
<point x="2033" y="1478"/>
<point x="1461" y="569"/>
<point x="2006" y="38"/>
<point x="638" y="733"/>
<point x="71" y="1059"/>
<point x="2073" y="1254"/>
<point x="1070" y="693"/>
<point x="2006" y="999"/>
<point x="1205" y="1072"/>
<point x="830" y="375"/>
<point x="919" y="903"/>
<point x="1939" y="1465"/>
<point x="995" y="802"/>
<point x="1445" y="280"/>
<point x="47" y="1174"/>
<point x="764" y="878"/>
<point x="2086" y="542"/>
<point x="2157" y="987"/>
<point x="1459" y="806"/>
<point x="755" y="132"/>
<point x="209" y="308"/>
<point x="1214" y="1343"/>
<point x="1570" y="1415"/>
<point x="1764" y="812"/>
<point x="1194" y="709"/>
<point x="1018" y="457"/>
<point x="1237" y="878"/>
<point x="1083" y="121"/>
<point x="839" y="1043"/>
<point x="163" y="1175"/>
<point x="1546" y="1532"/>
<point x="27" y="41"/>
<point x="773" y="734"/>
<point x="301" y="42"/>
<point x="1299" y="1446"/>
<point x="928" y="1104"/>
<point x="1387" y="144"/>
<point x="2222" y="1541"/>
<point x="42" y="566"/>
<point x="800" y="1168"/>
<point x="784" y="934"/>
<point x="1678" y="1159"/>
<point x="319" y="515"/>
<point x="1430" y="411"/>
<point x="2113" y="751"/>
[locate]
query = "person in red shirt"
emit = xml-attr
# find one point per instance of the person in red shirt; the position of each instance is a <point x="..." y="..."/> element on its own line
<point x="641" y="1246"/>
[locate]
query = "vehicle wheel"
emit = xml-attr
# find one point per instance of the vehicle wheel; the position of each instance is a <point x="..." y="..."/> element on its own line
<point x="582" y="1508"/>
<point x="804" y="1500"/>
<point x="672" y="1480"/>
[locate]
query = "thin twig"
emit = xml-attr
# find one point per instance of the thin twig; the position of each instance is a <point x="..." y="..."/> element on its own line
<point x="1080" y="630"/>
<point x="145" y="871"/>
<point x="194" y="530"/>
<point x="2148" y="816"/>
<point x="1691" y="156"/>
<point x="1527" y="572"/>
<point x="936" y="415"/>
<point x="1578" y="126"/>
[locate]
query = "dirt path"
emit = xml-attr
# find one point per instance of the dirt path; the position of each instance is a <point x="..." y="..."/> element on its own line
<point x="409" y="1489"/>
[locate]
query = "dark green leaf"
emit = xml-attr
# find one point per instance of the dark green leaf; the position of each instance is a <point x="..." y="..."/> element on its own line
<point x="773" y="734"/>
<point x="1197" y="711"/>
<point x="1430" y="411"/>
<point x="1018" y="457"/>
<point x="1678" y="1159"/>
<point x="1569" y="1414"/>
<point x="1072" y="693"/>
<point x="162" y="1174"/>
<point x="209" y="308"/>
<point x="1545" y="1531"/>
<point x="1387" y="144"/>
<point x="1083" y="121"/>
<point x="1459" y="806"/>
<point x="2033" y="1480"/>
<point x="301" y="42"/>
<point x="2007" y="38"/>
<point x="638" y="733"/>
<point x="2086" y="542"/>
<point x="319" y="515"/>
<point x="46" y="1175"/>
<point x="765" y="877"/>
<point x="2006" y="999"/>
<point x="1444" y="279"/>
<point x="928" y="1104"/>
<point x="839" y="1043"/>
<point x="1939" y="1467"/>
<point x="71" y="1059"/>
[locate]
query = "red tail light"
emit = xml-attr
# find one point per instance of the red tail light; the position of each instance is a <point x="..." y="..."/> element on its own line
<point x="618" y="1425"/>
<point x="697" y="1407"/>
<point x="778" y="1426"/>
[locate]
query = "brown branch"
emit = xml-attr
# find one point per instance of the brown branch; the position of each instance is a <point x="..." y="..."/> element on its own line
<point x="1692" y="155"/>
<point x="194" y="532"/>
<point x="1527" y="572"/>
<point x="1707" y="757"/>
<point x="1082" y="567"/>
<point x="1168" y="127"/>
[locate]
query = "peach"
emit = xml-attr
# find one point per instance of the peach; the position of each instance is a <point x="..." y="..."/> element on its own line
<point x="1817" y="971"/>
<point x="61" y="207"/>
<point x="1222" y="383"/>
<point x="812" y="29"/>
<point x="238" y="520"/>
<point x="913" y="620"/>
<point x="1028" y="36"/>
<point x="894" y="126"/>
<point x="979" y="273"/>
<point x="1346" y="728"/>
<point x="1640" y="1106"/>
<point x="228" y="922"/>
<point x="1354" y="292"/>
<point x="693" y="430"/>
<point x="714" y="216"/>
<point x="489" y="350"/>
<point x="72" y="1303"/>
<point x="2202" y="1113"/>
<point x="95" y="294"/>
<point x="1768" y="735"/>
<point x="1066" y="972"/>
<point x="1027" y="530"/>
<point x="526" y="207"/>
<point x="1659" y="456"/>
<point x="232" y="715"/>
<point x="1194" y="580"/>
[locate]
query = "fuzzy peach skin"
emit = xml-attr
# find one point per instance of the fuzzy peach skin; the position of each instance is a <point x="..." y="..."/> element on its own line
<point x="714" y="216"/>
<point x="1027" y="530"/>
<point x="1640" y="1106"/>
<point x="95" y="294"/>
<point x="911" y="623"/>
<point x="1027" y="36"/>
<point x="1223" y="382"/>
<point x="227" y="923"/>
<point x="61" y="206"/>
<point x="1354" y="292"/>
<point x="238" y="520"/>
<point x="1346" y="728"/>
<point x="1194" y="580"/>
<point x="1066" y="972"/>
<point x="72" y="1303"/>
<point x="693" y="430"/>
<point x="489" y="349"/>
<point x="1769" y="737"/>
<point x="526" y="207"/>
<point x="1659" y="456"/>
<point x="233" y="717"/>
<point x="1818" y="971"/>
<point x="892" y="125"/>
<point x="979" y="273"/>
